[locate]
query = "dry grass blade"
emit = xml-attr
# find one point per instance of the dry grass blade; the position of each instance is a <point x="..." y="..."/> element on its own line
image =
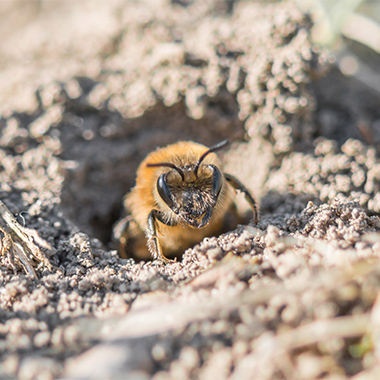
<point x="317" y="331"/>
<point x="22" y="242"/>
<point x="19" y="252"/>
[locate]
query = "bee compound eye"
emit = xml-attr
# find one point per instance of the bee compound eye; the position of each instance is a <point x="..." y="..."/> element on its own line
<point x="217" y="180"/>
<point x="164" y="191"/>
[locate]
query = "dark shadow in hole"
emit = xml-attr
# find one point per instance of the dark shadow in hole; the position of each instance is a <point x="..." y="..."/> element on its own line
<point x="103" y="151"/>
<point x="285" y="203"/>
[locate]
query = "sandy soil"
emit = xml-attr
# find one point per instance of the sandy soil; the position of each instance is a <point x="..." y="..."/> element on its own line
<point x="87" y="90"/>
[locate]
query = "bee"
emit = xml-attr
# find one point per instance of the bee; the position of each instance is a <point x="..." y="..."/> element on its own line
<point x="181" y="196"/>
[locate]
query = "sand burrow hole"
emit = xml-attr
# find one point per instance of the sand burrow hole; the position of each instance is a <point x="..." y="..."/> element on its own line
<point x="102" y="150"/>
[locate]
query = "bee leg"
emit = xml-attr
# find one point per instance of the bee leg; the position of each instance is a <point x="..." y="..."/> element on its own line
<point x="236" y="184"/>
<point x="120" y="234"/>
<point x="153" y="243"/>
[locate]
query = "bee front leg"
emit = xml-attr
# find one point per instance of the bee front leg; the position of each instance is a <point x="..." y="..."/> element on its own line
<point x="153" y="242"/>
<point x="236" y="184"/>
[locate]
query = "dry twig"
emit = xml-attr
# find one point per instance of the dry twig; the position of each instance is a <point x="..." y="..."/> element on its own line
<point x="23" y="243"/>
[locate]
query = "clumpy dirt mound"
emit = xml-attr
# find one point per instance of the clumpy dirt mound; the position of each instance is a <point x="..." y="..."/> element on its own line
<point x="350" y="172"/>
<point x="294" y="296"/>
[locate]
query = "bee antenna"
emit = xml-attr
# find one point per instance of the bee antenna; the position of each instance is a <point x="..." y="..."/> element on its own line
<point x="169" y="165"/>
<point x="210" y="150"/>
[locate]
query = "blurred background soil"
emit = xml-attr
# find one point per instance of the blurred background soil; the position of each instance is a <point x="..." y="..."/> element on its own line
<point x="88" y="88"/>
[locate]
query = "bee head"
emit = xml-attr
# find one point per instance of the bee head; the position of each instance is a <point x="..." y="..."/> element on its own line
<point x="191" y="191"/>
